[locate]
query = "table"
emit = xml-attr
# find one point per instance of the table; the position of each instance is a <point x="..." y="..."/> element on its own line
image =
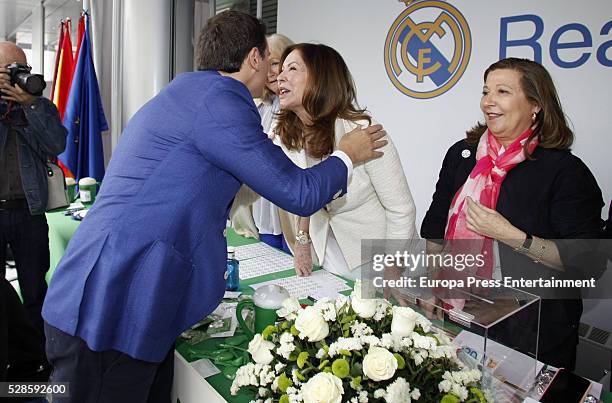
<point x="61" y="229"/>
<point x="189" y="386"/>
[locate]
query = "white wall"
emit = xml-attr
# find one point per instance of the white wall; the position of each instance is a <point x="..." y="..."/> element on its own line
<point x="145" y="46"/>
<point x="424" y="129"/>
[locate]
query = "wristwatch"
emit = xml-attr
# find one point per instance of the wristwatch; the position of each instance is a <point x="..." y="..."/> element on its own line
<point x="524" y="248"/>
<point x="302" y="238"/>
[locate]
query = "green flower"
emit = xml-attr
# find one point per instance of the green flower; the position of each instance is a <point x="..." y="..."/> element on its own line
<point x="293" y="356"/>
<point x="356" y="382"/>
<point x="284" y="382"/>
<point x="450" y="399"/>
<point x="294" y="331"/>
<point x="341" y="368"/>
<point x="478" y="394"/>
<point x="345" y="353"/>
<point x="323" y="364"/>
<point x="284" y="399"/>
<point x="400" y="361"/>
<point x="268" y="331"/>
<point x="302" y="358"/>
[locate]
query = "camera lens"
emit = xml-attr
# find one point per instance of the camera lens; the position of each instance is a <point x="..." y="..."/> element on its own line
<point x="31" y="83"/>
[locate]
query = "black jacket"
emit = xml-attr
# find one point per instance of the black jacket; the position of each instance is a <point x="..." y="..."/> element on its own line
<point x="553" y="196"/>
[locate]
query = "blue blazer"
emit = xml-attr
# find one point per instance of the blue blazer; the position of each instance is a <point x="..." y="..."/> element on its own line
<point x="148" y="260"/>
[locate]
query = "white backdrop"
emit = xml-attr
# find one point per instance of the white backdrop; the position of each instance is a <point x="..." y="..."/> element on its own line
<point x="423" y="129"/>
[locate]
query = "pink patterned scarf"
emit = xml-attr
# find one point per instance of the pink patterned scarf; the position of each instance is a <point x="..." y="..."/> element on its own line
<point x="483" y="185"/>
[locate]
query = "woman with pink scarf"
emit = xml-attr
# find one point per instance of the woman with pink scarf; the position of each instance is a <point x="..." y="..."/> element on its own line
<point x="513" y="188"/>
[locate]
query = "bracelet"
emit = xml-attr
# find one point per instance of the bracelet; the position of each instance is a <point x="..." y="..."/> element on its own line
<point x="302" y="238"/>
<point x="541" y="250"/>
<point x="525" y="246"/>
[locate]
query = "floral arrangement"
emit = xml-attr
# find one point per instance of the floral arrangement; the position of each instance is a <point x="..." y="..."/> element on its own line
<point x="355" y="350"/>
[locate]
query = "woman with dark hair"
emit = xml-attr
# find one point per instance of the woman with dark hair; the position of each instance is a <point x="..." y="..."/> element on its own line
<point x="514" y="186"/>
<point x="318" y="107"/>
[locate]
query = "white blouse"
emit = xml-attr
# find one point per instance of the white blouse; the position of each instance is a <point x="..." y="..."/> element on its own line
<point x="378" y="205"/>
<point x="265" y="213"/>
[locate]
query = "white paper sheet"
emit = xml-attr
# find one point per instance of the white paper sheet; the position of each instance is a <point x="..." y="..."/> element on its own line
<point x="318" y="283"/>
<point x="205" y="367"/>
<point x="245" y="252"/>
<point x="266" y="264"/>
<point x="231" y="294"/>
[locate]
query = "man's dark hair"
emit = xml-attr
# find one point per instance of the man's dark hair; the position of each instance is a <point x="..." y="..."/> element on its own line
<point x="227" y="39"/>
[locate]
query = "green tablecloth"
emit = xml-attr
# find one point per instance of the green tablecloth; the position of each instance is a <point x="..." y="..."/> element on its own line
<point x="61" y="229"/>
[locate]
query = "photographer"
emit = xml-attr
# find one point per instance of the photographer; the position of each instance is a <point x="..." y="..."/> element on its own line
<point x="30" y="132"/>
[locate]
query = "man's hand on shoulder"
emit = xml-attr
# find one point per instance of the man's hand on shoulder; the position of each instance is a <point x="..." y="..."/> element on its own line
<point x="361" y="143"/>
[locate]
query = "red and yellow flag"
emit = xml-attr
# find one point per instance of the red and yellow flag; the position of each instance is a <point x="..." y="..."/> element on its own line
<point x="63" y="79"/>
<point x="80" y="32"/>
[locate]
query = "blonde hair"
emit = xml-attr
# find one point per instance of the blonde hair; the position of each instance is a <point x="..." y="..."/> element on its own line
<point x="277" y="43"/>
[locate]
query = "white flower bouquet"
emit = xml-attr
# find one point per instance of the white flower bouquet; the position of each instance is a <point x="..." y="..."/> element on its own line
<point x="355" y="350"/>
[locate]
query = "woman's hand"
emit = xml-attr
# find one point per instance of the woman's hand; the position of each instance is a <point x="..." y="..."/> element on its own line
<point x="302" y="259"/>
<point x="490" y="223"/>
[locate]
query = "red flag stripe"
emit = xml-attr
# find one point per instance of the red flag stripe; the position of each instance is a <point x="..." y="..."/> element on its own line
<point x="57" y="57"/>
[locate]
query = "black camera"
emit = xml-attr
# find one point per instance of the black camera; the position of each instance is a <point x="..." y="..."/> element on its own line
<point x="31" y="83"/>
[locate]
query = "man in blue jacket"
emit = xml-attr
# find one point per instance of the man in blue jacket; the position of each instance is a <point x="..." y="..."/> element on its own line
<point x="148" y="260"/>
<point x="30" y="132"/>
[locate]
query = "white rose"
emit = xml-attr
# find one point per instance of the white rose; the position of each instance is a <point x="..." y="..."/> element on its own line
<point x="379" y="364"/>
<point x="260" y="350"/>
<point x="311" y="324"/>
<point x="289" y="309"/>
<point x="365" y="308"/>
<point x="323" y="388"/>
<point x="403" y="322"/>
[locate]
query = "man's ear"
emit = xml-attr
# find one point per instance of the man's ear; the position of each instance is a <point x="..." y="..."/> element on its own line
<point x="254" y="59"/>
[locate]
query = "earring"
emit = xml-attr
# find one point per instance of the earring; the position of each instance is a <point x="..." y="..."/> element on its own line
<point x="533" y="116"/>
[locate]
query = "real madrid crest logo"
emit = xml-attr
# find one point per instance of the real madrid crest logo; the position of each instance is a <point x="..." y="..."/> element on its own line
<point x="427" y="48"/>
